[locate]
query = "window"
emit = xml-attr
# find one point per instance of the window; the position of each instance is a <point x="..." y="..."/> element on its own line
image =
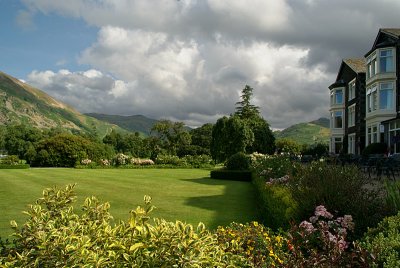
<point x="338" y="96"/>
<point x="338" y="145"/>
<point x="372" y="134"/>
<point x="371" y="66"/>
<point x="386" y="61"/>
<point x="386" y="96"/>
<point x="352" y="90"/>
<point x="338" y="119"/>
<point x="351" y="144"/>
<point x="351" y="116"/>
<point x="372" y="99"/>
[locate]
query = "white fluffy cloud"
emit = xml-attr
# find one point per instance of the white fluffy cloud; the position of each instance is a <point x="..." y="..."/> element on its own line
<point x="188" y="60"/>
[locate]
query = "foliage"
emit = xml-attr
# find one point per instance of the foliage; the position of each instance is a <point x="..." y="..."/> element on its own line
<point x="238" y="161"/>
<point x="264" y="139"/>
<point x="287" y="146"/>
<point x="171" y="135"/>
<point x="18" y="166"/>
<point x="10" y="160"/>
<point x="192" y="150"/>
<point x="375" y="148"/>
<point x="67" y="150"/>
<point x="244" y="108"/>
<point x="19" y="138"/>
<point x="55" y="236"/>
<point x="233" y="175"/>
<point x="202" y="136"/>
<point x="229" y="136"/>
<point x="170" y="160"/>
<point x="198" y="161"/>
<point x="323" y="242"/>
<point x="276" y="204"/>
<point x="272" y="166"/>
<point x="334" y="186"/>
<point x="317" y="149"/>
<point x="393" y="195"/>
<point x="254" y="242"/>
<point x="384" y="241"/>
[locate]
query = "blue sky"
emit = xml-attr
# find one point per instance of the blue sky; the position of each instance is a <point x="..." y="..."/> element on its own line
<point x="188" y="60"/>
<point x="49" y="42"/>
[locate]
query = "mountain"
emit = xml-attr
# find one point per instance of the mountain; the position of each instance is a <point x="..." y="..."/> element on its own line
<point x="134" y="123"/>
<point x="307" y="133"/>
<point x="22" y="103"/>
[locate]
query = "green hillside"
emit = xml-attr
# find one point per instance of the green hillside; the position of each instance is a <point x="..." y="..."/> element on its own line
<point x="307" y="133"/>
<point x="134" y="123"/>
<point x="22" y="103"/>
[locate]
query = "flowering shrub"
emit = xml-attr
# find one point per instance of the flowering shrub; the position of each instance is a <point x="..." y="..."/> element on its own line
<point x="86" y="161"/>
<point x="141" y="162"/>
<point x="322" y="242"/>
<point x="170" y="160"/>
<point x="105" y="162"/>
<point x="341" y="189"/>
<point x="121" y="159"/>
<point x="282" y="180"/>
<point x="275" y="166"/>
<point x="255" y="242"/>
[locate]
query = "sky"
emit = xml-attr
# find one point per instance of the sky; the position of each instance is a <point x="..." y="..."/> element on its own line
<point x="188" y="60"/>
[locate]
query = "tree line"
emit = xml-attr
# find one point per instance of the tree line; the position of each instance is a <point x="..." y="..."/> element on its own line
<point x="243" y="131"/>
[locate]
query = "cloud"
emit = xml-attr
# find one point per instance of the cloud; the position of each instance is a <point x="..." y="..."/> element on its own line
<point x="188" y="60"/>
<point x="24" y="19"/>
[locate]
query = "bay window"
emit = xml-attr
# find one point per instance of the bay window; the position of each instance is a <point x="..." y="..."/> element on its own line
<point x="386" y="61"/>
<point x="386" y="96"/>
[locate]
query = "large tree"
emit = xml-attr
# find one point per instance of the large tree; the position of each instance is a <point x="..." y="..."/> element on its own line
<point x="229" y="136"/>
<point x="245" y="131"/>
<point x="171" y="135"/>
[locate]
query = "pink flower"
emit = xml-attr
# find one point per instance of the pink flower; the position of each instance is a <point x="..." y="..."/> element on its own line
<point x="321" y="211"/>
<point x="307" y="226"/>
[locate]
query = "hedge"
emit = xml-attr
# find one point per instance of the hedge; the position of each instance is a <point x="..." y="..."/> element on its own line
<point x="19" y="166"/>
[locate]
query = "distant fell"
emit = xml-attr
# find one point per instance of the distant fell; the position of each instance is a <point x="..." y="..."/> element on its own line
<point x="316" y="131"/>
<point x="134" y="123"/>
<point x="21" y="103"/>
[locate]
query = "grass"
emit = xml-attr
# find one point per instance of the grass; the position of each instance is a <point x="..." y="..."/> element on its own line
<point x="185" y="194"/>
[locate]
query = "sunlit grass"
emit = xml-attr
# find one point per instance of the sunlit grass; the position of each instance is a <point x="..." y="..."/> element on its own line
<point x="185" y="194"/>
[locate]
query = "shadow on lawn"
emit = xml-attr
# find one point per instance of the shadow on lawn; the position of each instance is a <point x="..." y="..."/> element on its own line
<point x="237" y="203"/>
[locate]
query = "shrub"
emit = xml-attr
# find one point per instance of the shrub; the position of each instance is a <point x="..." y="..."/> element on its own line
<point x="384" y="241"/>
<point x="275" y="166"/>
<point x="121" y="159"/>
<point x="55" y="236"/>
<point x="198" y="161"/>
<point x="170" y="160"/>
<point x="238" y="161"/>
<point x="19" y="166"/>
<point x="233" y="175"/>
<point x="375" y="148"/>
<point x="344" y="190"/>
<point x="10" y="160"/>
<point x="254" y="242"/>
<point x="323" y="242"/>
<point x="393" y="195"/>
<point x="276" y="203"/>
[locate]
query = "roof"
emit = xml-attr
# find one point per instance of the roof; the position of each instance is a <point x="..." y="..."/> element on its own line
<point x="392" y="31"/>
<point x="358" y="65"/>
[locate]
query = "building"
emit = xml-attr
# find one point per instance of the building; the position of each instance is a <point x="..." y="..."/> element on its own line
<point x="382" y="97"/>
<point x="365" y="102"/>
<point x="347" y="108"/>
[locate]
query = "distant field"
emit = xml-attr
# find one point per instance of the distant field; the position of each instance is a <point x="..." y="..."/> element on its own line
<point x="185" y="194"/>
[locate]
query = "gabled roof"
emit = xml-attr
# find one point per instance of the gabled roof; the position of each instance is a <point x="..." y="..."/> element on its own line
<point x="356" y="64"/>
<point x="395" y="32"/>
<point x="386" y="37"/>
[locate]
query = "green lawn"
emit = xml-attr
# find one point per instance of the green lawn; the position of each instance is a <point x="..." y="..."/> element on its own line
<point x="185" y="194"/>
